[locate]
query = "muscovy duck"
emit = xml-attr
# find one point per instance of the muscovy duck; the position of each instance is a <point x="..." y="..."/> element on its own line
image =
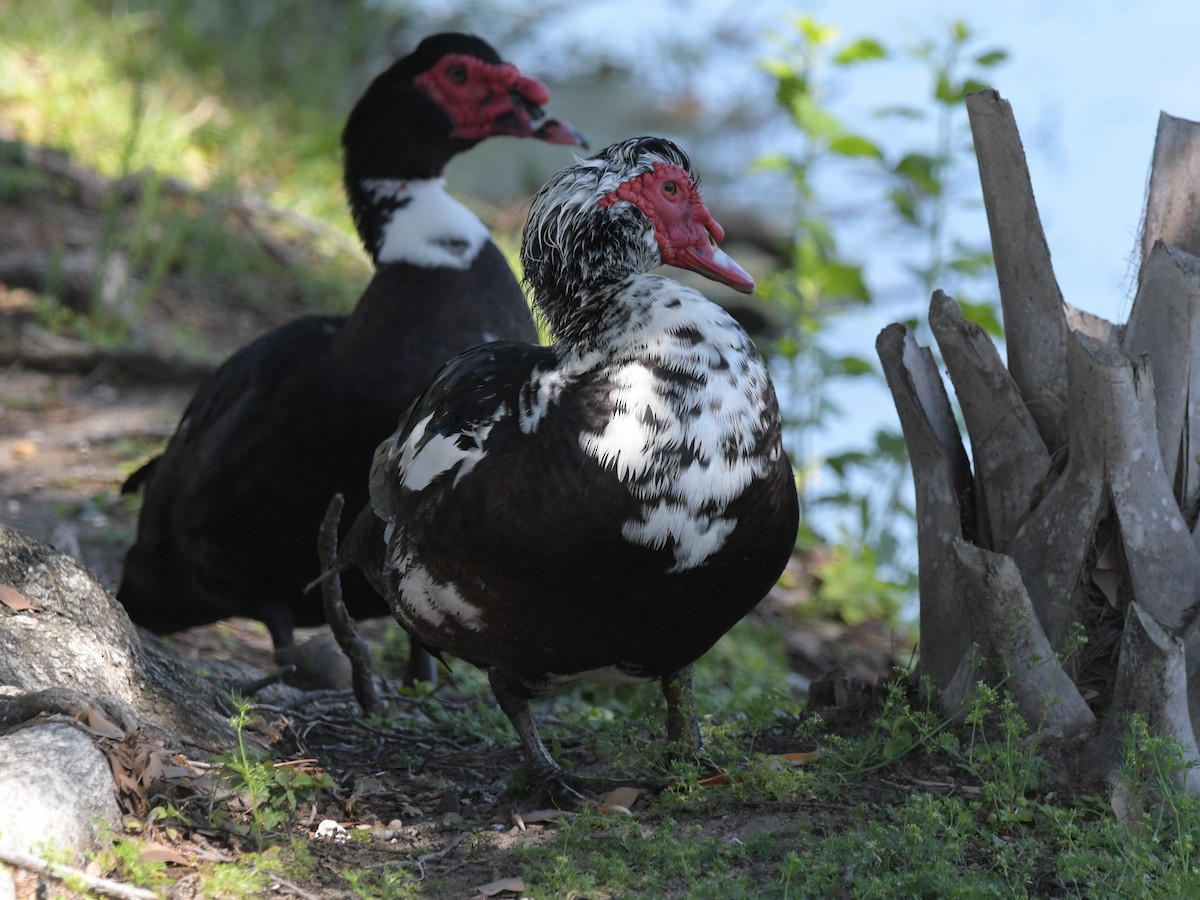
<point x="607" y="507"/>
<point x="231" y="509"/>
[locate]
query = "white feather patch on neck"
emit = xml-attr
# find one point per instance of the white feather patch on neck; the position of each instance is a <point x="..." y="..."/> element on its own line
<point x="431" y="229"/>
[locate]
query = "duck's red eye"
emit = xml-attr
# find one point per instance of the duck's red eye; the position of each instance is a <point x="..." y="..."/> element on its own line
<point x="457" y="73"/>
<point x="670" y="188"/>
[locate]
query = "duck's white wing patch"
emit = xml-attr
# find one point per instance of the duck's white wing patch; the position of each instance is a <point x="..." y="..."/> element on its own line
<point x="694" y="536"/>
<point x="422" y="599"/>
<point x="537" y="397"/>
<point x="427" y="226"/>
<point x="422" y="459"/>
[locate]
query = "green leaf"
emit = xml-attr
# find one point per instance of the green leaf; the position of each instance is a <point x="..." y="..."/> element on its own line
<point x="890" y="445"/>
<point x="782" y="69"/>
<point x="900" y="112"/>
<point x="904" y="204"/>
<point x="974" y="84"/>
<point x="972" y="263"/>
<point x="771" y="162"/>
<point x="854" y="366"/>
<point x="991" y="58"/>
<point x="854" y="145"/>
<point x="841" y="463"/>
<point x="844" y="282"/>
<point x="787" y="347"/>
<point x="816" y="33"/>
<point x="813" y="119"/>
<point x="849" y="582"/>
<point x="918" y="170"/>
<point x="983" y="315"/>
<point x="862" y="50"/>
<point x="945" y="92"/>
<point x="791" y="88"/>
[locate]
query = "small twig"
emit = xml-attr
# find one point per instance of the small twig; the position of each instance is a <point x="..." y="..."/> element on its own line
<point x="450" y="847"/>
<point x="340" y="623"/>
<point x="69" y="875"/>
<point x="295" y="889"/>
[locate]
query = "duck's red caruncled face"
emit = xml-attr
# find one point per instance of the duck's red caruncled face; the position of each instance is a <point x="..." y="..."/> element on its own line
<point x="486" y="99"/>
<point x="686" y="231"/>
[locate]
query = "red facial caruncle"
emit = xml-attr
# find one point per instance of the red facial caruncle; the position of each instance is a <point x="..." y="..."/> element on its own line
<point x="686" y="232"/>
<point x="478" y="95"/>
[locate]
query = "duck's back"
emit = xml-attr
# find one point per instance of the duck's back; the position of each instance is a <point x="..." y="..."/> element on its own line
<point x="615" y="510"/>
<point x="232" y="507"/>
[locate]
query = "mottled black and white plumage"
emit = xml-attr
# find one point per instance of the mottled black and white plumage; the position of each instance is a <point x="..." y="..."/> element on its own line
<point x="608" y="507"/>
<point x="231" y="508"/>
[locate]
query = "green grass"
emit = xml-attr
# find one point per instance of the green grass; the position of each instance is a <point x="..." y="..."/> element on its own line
<point x="904" y="803"/>
<point x="208" y="95"/>
<point x="270" y="792"/>
<point x="617" y="855"/>
<point x="202" y="94"/>
<point x="993" y="831"/>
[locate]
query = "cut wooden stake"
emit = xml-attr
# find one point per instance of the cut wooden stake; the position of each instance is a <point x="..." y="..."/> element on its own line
<point x="1015" y="651"/>
<point x="1151" y="682"/>
<point x="1034" y="319"/>
<point x="942" y="477"/>
<point x="1086" y="469"/>
<point x="1172" y="202"/>
<point x="1164" y="327"/>
<point x="1009" y="455"/>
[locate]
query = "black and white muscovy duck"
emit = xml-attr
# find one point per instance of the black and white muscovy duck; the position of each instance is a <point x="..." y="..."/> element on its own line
<point x="231" y="508"/>
<point x="607" y="507"/>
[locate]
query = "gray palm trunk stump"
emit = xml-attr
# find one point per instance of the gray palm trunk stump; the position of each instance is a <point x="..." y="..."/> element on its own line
<point x="1075" y="514"/>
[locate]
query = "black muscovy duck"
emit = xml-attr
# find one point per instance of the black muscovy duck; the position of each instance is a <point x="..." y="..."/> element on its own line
<point x="607" y="507"/>
<point x="231" y="509"/>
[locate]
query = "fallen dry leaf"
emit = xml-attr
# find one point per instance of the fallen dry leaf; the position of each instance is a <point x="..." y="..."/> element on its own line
<point x="622" y="797"/>
<point x="24" y="449"/>
<point x="491" y="889"/>
<point x="125" y="781"/>
<point x="776" y="763"/>
<point x="15" y="600"/>
<point x="545" y="815"/>
<point x="791" y="760"/>
<point x="152" y="767"/>
<point x="99" y="724"/>
<point x="156" y="852"/>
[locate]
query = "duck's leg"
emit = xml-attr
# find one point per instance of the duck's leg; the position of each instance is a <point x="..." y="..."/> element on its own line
<point x="683" y="728"/>
<point x="549" y="779"/>
<point x="515" y="703"/>
<point x="682" y="724"/>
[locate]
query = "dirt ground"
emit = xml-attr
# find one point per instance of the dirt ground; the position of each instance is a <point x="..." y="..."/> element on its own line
<point x="74" y="420"/>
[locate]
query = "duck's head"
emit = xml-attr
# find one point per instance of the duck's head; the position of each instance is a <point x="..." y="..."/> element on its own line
<point x="631" y="207"/>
